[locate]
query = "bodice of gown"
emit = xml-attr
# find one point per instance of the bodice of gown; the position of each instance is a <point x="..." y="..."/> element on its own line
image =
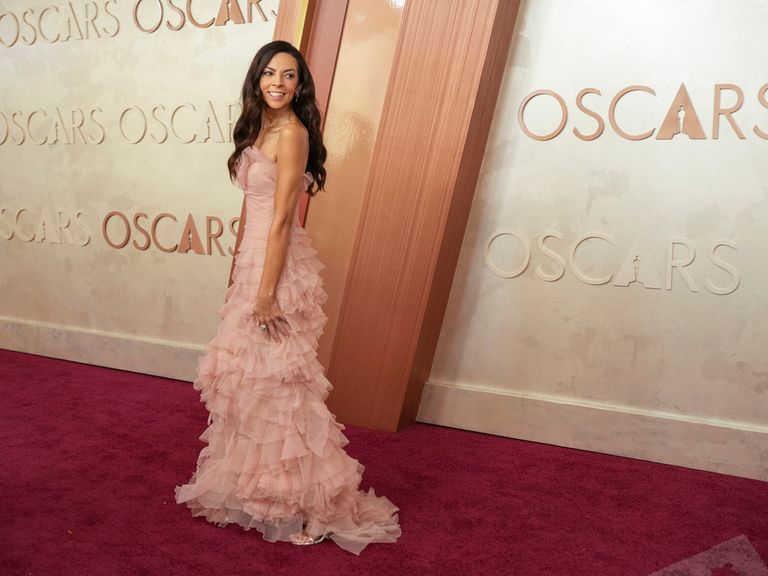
<point x="256" y="176"/>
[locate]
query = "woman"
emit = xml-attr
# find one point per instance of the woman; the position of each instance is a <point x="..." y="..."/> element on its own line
<point x="275" y="459"/>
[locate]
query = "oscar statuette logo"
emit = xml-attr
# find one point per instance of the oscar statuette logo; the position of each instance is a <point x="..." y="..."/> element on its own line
<point x="681" y="117"/>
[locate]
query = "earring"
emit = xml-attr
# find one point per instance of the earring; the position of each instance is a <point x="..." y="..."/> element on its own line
<point x="296" y="96"/>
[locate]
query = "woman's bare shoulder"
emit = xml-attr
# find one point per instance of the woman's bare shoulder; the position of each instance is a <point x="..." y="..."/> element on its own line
<point x="294" y="133"/>
<point x="293" y="142"/>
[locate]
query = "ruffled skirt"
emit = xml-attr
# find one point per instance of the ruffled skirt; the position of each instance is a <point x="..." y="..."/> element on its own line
<point x="274" y="458"/>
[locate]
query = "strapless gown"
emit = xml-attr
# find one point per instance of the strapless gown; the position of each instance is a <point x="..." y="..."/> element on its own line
<point x="274" y="458"/>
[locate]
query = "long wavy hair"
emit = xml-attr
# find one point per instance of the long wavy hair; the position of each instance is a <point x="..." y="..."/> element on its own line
<point x="248" y="124"/>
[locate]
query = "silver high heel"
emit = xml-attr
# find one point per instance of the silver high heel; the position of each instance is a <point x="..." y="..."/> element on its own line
<point x="303" y="539"/>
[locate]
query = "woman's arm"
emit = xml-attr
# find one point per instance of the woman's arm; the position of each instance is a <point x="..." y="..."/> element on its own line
<point x="240" y="230"/>
<point x="292" y="153"/>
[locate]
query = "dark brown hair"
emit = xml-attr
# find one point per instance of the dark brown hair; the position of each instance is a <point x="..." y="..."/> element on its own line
<point x="248" y="124"/>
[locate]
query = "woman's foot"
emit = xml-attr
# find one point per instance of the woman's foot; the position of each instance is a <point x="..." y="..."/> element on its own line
<point x="304" y="539"/>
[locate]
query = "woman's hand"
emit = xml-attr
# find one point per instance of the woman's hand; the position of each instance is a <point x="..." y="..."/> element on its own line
<point x="269" y="318"/>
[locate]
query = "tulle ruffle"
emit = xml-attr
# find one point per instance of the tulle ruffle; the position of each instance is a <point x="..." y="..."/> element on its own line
<point x="274" y="458"/>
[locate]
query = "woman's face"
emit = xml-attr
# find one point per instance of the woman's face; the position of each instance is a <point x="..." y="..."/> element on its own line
<point x="279" y="80"/>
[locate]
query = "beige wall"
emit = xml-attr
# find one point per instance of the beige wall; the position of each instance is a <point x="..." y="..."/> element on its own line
<point x="606" y="337"/>
<point x="67" y="292"/>
<point x="359" y="86"/>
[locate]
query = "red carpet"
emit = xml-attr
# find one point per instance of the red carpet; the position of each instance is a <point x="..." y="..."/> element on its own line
<point x="90" y="457"/>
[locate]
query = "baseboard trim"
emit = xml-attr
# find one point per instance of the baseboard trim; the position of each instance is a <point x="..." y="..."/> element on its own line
<point x="723" y="446"/>
<point x="101" y="348"/>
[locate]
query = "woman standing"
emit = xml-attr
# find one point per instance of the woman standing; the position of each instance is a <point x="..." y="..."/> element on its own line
<point x="275" y="459"/>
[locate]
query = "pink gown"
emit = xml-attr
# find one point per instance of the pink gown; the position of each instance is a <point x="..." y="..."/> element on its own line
<point x="274" y="458"/>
